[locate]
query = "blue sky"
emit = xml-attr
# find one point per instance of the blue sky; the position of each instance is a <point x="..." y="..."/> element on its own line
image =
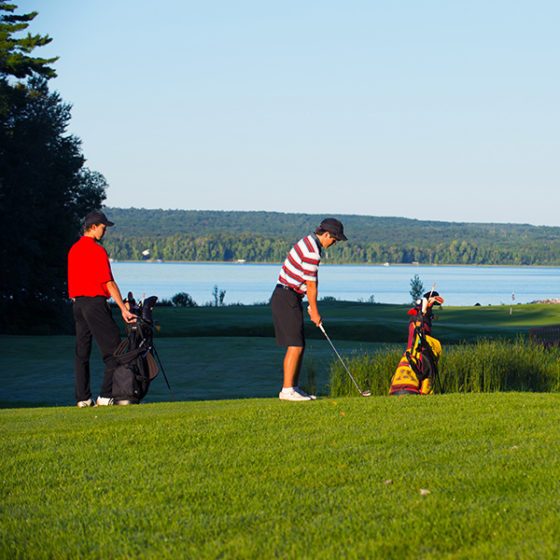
<point x="442" y="110"/>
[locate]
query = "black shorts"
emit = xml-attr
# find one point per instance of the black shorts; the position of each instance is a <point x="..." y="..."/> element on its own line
<point x="287" y="313"/>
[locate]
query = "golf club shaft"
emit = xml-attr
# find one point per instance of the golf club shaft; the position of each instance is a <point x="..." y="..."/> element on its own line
<point x="163" y="371"/>
<point x="339" y="357"/>
<point x="432" y="290"/>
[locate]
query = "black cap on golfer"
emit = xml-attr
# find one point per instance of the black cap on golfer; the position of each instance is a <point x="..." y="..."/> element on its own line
<point x="97" y="217"/>
<point x="334" y="227"/>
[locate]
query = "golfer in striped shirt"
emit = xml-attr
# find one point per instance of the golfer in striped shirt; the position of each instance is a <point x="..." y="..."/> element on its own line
<point x="297" y="279"/>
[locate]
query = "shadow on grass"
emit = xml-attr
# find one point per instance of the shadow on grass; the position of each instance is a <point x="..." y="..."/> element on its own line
<point x="38" y="371"/>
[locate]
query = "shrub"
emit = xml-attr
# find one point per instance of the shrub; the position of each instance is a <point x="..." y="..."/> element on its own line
<point x="182" y="299"/>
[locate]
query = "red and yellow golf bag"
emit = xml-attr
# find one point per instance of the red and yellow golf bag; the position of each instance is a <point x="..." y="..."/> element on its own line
<point x="417" y="371"/>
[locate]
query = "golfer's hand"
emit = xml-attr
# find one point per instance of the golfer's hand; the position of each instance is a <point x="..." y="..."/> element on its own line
<point x="128" y="316"/>
<point x="315" y="317"/>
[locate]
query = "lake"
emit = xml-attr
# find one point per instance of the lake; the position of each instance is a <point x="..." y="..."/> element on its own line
<point x="253" y="283"/>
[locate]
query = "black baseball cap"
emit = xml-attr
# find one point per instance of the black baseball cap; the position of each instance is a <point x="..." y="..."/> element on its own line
<point x="334" y="227"/>
<point x="97" y="217"/>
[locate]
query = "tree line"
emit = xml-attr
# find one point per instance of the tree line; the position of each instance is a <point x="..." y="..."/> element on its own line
<point x="212" y="236"/>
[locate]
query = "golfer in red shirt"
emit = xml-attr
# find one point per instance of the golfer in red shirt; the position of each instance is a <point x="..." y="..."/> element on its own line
<point x="90" y="284"/>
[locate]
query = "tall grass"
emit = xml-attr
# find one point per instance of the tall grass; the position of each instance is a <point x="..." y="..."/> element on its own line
<point x="483" y="366"/>
<point x="499" y="365"/>
<point x="370" y="370"/>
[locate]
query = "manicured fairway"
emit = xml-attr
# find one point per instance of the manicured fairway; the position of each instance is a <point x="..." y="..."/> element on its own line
<point x="360" y="321"/>
<point x="450" y="476"/>
<point x="38" y="370"/>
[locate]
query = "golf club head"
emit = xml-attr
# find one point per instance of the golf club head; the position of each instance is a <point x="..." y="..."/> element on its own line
<point x="147" y="307"/>
<point x="366" y="393"/>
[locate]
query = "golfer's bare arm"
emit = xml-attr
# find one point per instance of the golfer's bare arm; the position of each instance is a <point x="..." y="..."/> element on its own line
<point x="312" y="300"/>
<point x="113" y="289"/>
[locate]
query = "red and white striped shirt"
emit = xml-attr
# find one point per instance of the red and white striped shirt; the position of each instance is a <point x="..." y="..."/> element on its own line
<point x="301" y="264"/>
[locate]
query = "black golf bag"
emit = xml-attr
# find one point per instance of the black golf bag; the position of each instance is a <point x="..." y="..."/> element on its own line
<point x="135" y="355"/>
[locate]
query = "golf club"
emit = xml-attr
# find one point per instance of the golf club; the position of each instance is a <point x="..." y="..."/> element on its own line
<point x="363" y="393"/>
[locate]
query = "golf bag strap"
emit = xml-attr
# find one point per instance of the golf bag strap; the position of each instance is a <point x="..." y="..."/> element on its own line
<point x="413" y="363"/>
<point x="153" y="369"/>
<point x="129" y="356"/>
<point x="121" y="348"/>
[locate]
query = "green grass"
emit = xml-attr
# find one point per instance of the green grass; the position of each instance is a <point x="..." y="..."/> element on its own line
<point x="260" y="478"/>
<point x="230" y="352"/>
<point x="38" y="370"/>
<point x="483" y="366"/>
<point x="371" y="370"/>
<point x="267" y="479"/>
<point x="500" y="365"/>
<point x="359" y="321"/>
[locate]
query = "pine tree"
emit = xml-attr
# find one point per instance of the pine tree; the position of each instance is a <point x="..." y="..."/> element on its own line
<point x="45" y="189"/>
<point x="14" y="52"/>
<point x="416" y="288"/>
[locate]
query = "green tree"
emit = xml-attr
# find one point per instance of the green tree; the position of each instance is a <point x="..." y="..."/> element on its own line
<point x="267" y="237"/>
<point x="182" y="299"/>
<point x="14" y="52"/>
<point x="45" y="189"/>
<point x="416" y="288"/>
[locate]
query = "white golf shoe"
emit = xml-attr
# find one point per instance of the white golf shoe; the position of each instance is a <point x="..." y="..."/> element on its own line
<point x="295" y="394"/>
<point x="85" y="404"/>
<point x="104" y="401"/>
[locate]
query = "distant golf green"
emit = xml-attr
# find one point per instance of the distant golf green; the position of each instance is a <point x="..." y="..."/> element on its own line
<point x="360" y="321"/>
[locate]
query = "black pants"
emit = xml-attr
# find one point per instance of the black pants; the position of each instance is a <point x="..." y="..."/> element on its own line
<point x="92" y="317"/>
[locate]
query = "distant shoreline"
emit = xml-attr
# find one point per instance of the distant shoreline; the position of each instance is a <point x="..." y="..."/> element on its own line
<point x="323" y="263"/>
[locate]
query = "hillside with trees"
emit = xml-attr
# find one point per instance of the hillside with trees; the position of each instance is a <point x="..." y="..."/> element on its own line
<point x="192" y="235"/>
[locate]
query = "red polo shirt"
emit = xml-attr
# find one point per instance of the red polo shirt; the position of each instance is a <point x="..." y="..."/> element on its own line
<point x="89" y="269"/>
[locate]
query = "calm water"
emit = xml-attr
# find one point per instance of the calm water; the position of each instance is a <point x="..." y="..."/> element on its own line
<point x="253" y="283"/>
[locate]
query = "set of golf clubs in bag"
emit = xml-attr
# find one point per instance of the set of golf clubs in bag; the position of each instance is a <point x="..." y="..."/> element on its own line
<point x="136" y="356"/>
